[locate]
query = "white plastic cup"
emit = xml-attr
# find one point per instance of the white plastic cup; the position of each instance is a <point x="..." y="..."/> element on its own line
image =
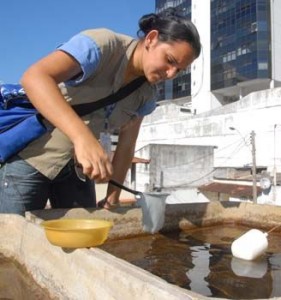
<point x="250" y="245"/>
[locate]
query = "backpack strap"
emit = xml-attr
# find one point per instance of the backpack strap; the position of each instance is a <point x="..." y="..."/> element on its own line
<point x="13" y="95"/>
<point x="87" y="108"/>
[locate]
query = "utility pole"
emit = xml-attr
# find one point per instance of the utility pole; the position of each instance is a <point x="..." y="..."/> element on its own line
<point x="254" y="166"/>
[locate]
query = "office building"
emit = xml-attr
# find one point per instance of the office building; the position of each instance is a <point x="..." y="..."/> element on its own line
<point x="240" y="51"/>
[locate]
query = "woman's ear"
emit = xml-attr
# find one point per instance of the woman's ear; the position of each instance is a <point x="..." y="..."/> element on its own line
<point x="151" y="39"/>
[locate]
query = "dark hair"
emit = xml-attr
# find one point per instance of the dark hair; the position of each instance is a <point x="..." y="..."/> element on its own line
<point x="171" y="27"/>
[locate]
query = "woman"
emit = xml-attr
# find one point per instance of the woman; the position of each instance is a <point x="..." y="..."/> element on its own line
<point x="90" y="66"/>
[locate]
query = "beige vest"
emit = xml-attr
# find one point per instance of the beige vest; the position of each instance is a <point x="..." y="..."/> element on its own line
<point x="51" y="152"/>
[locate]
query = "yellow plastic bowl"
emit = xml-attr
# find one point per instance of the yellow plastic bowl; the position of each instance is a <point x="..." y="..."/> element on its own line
<point x="77" y="233"/>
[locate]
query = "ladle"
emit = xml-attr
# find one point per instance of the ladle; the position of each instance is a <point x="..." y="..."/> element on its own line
<point x="123" y="187"/>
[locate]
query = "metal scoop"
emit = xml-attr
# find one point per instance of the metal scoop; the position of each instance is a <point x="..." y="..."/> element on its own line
<point x="153" y="207"/>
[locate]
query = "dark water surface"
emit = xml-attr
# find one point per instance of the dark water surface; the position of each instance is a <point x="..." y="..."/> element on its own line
<point x="200" y="260"/>
<point x="17" y="284"/>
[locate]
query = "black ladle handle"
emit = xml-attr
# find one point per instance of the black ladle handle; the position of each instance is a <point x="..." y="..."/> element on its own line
<point x="121" y="186"/>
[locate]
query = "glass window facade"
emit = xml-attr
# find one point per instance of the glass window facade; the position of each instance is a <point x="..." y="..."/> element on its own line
<point x="240" y="41"/>
<point x="240" y="44"/>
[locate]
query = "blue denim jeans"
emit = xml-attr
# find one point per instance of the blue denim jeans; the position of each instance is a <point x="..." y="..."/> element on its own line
<point x="23" y="188"/>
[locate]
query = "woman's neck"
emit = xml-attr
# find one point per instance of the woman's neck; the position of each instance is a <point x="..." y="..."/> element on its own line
<point x="134" y="68"/>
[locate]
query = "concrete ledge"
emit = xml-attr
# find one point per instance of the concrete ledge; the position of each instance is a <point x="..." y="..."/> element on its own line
<point x="96" y="274"/>
<point x="81" y="273"/>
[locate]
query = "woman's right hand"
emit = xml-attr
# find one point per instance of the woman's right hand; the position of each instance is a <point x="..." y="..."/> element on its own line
<point x="92" y="158"/>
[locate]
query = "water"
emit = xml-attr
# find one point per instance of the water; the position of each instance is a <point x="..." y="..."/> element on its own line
<point x="200" y="260"/>
<point x="17" y="284"/>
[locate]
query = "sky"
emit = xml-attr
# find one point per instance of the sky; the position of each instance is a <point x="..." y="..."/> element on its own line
<point x="30" y="29"/>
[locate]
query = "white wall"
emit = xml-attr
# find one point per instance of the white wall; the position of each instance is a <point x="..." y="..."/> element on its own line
<point x="200" y="70"/>
<point x="258" y="111"/>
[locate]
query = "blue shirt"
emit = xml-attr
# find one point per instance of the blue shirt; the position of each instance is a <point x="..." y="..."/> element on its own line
<point x="87" y="53"/>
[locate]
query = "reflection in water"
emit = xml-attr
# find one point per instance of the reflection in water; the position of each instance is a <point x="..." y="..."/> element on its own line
<point x="275" y="262"/>
<point x="247" y="268"/>
<point x="200" y="260"/>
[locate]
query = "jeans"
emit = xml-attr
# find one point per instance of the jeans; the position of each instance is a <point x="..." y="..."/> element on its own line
<point x="23" y="188"/>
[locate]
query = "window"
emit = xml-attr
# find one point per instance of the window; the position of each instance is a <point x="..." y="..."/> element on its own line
<point x="262" y="66"/>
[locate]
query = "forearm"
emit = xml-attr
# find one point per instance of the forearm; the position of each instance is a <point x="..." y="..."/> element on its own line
<point x="123" y="157"/>
<point x="121" y="164"/>
<point x="45" y="95"/>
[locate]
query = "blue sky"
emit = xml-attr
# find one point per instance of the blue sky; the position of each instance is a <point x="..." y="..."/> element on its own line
<point x="30" y="29"/>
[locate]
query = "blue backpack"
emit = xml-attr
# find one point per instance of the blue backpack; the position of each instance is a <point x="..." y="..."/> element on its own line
<point x="21" y="123"/>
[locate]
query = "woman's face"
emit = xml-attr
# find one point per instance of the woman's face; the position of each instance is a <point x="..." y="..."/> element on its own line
<point x="163" y="60"/>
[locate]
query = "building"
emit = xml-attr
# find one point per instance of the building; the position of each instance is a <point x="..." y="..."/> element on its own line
<point x="240" y="43"/>
<point x="232" y="92"/>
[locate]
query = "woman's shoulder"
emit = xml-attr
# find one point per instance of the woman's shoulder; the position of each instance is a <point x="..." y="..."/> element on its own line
<point x="106" y="36"/>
